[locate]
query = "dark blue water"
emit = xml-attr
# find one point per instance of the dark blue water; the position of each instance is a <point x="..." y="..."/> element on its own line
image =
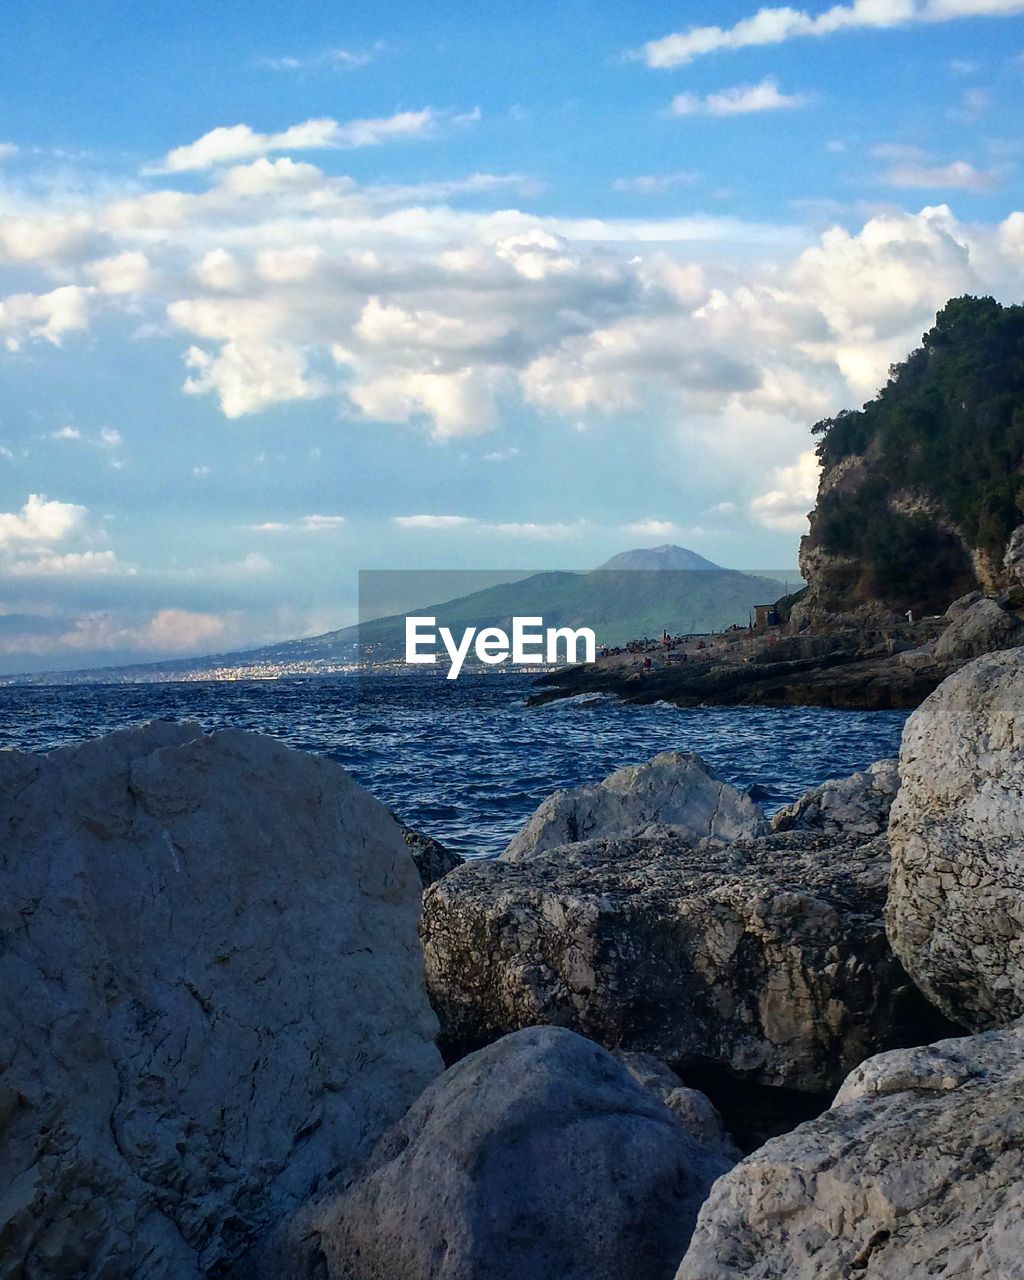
<point x="466" y="760"/>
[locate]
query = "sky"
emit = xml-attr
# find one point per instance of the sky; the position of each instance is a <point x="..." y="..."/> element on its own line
<point x="291" y="292"/>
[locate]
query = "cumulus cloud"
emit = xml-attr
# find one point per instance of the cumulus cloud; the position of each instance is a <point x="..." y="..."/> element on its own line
<point x="34" y="542"/>
<point x="127" y="272"/>
<point x="283" y="285"/>
<point x="771" y="26"/>
<point x="741" y="100"/>
<point x="240" y="142"/>
<point x="41" y="520"/>
<point x="44" y="315"/>
<point x="794" y="489"/>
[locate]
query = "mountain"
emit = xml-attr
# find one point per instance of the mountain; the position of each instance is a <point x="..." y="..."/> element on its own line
<point x="923" y="488"/>
<point x="620" y="604"/>
<point x="663" y="557"/>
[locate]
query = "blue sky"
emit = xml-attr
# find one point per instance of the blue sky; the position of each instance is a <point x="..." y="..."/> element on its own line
<point x="285" y="297"/>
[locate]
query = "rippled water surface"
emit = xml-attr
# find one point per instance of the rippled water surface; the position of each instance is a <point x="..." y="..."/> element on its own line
<point x="466" y="760"/>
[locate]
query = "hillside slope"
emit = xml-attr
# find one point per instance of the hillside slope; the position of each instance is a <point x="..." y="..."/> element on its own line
<point x="922" y="489"/>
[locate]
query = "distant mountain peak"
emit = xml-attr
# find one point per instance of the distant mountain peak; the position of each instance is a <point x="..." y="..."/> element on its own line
<point x="667" y="556"/>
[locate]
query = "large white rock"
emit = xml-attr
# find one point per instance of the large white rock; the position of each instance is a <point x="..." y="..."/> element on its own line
<point x="982" y="627"/>
<point x="855" y="806"/>
<point x="766" y="958"/>
<point x="676" y="788"/>
<point x="538" y="1158"/>
<point x="916" y="1171"/>
<point x="955" y="912"/>
<point x="212" y="997"/>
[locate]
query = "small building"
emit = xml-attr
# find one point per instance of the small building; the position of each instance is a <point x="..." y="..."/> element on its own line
<point x="765" y="616"/>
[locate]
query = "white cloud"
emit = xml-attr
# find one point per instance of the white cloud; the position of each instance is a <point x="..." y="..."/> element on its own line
<point x="41" y="520"/>
<point x="8" y="150"/>
<point x="46" y="315"/>
<point x="240" y="142"/>
<point x="264" y="176"/>
<point x="247" y="376"/>
<point x="337" y="59"/>
<point x="508" y="529"/>
<point x="785" y="506"/>
<point x="431" y="522"/>
<point x="957" y="176"/>
<point x="167" y="631"/>
<point x="304" y="524"/>
<point x="652" y="528"/>
<point x="770" y="26"/>
<point x="110" y="438"/>
<point x="655" y="183"/>
<point x="43" y="237"/>
<point x="741" y="100"/>
<point x="66" y="433"/>
<point x="319" y="522"/>
<point x="127" y="272"/>
<point x="44" y="564"/>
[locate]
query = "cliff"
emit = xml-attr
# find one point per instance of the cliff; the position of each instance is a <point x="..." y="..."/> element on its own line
<point x="922" y="489"/>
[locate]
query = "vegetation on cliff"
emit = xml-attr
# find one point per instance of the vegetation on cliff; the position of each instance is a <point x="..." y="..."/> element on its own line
<point x="934" y="484"/>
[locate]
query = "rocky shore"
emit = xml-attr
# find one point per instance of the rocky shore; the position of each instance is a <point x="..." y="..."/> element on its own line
<point x="253" y="1028"/>
<point x="871" y="661"/>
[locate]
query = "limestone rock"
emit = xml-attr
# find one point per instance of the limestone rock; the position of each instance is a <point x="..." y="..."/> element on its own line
<point x="983" y="627"/>
<point x="696" y="1113"/>
<point x="538" y="1158"/>
<point x="675" y="788"/>
<point x="960" y="606"/>
<point x="956" y="900"/>
<point x="855" y="806"/>
<point x="766" y="957"/>
<point x="1013" y="560"/>
<point x="212" y="997"/>
<point x="433" y="859"/>
<point x="917" y="1170"/>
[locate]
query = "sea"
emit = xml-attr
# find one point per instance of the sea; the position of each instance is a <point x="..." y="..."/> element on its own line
<point x="467" y="761"/>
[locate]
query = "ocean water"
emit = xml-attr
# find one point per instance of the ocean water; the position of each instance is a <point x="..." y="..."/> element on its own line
<point x="467" y="761"/>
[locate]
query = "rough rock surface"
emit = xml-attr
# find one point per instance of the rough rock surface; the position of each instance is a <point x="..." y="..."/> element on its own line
<point x="767" y="957"/>
<point x="983" y="627"/>
<point x="917" y="1170"/>
<point x="538" y="1158"/>
<point x="856" y="806"/>
<point x="433" y="860"/>
<point x="1013" y="560"/>
<point x="675" y="788"/>
<point x="695" y="1112"/>
<point x="956" y="900"/>
<point x="212" y="997"/>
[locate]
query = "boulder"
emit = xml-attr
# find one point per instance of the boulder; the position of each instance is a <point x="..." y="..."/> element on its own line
<point x="766" y="957"/>
<point x="213" y="997"/>
<point x="695" y="1112"/>
<point x="538" y="1158"/>
<point x="856" y="806"/>
<point x="917" y="1170"/>
<point x="956" y="899"/>
<point x="433" y="859"/>
<point x="983" y="627"/>
<point x="960" y="606"/>
<point x="675" y="788"/>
